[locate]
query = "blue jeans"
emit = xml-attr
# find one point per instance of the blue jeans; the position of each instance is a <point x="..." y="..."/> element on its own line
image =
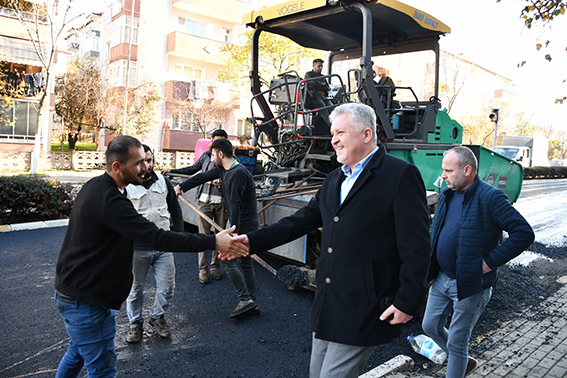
<point x="455" y="340"/>
<point x="91" y="330"/>
<point x="164" y="274"/>
<point x="336" y="360"/>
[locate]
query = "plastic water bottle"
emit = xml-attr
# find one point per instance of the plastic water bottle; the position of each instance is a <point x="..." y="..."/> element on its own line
<point x="426" y="347"/>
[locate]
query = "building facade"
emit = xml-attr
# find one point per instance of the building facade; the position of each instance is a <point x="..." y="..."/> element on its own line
<point x="23" y="78"/>
<point x="175" y="46"/>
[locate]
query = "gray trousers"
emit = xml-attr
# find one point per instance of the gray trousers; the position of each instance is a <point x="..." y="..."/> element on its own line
<point x="336" y="360"/>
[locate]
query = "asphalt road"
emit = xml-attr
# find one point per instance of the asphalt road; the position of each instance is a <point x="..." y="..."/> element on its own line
<point x="205" y="342"/>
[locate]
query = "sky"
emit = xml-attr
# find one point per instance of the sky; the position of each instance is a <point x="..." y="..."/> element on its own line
<point x="493" y="36"/>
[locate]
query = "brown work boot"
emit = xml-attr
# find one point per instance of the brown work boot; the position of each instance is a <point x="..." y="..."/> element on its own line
<point x="134" y="333"/>
<point x="471" y="366"/>
<point x="216" y="274"/>
<point x="203" y="276"/>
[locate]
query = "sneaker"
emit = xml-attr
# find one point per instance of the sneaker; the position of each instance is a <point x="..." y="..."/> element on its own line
<point x="203" y="276"/>
<point x="160" y="326"/>
<point x="471" y="366"/>
<point x="134" y="333"/>
<point x="242" y="307"/>
<point x="216" y="274"/>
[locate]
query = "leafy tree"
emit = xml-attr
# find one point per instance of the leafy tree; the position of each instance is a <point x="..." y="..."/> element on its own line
<point x="79" y="99"/>
<point x="278" y="54"/>
<point x="543" y="12"/>
<point x="554" y="149"/>
<point x="7" y="92"/>
<point x="143" y="101"/>
<point x="478" y="129"/>
<point x="44" y="21"/>
<point x="204" y="113"/>
<point x="524" y="128"/>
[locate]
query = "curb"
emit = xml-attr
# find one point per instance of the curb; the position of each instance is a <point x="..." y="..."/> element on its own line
<point x="398" y="363"/>
<point x="34" y="225"/>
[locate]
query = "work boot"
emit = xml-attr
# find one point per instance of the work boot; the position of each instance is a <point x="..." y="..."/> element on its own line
<point x="134" y="333"/>
<point x="203" y="276"/>
<point x="471" y="366"/>
<point x="160" y="326"/>
<point x="216" y="274"/>
<point x="242" y="307"/>
<point x="252" y="312"/>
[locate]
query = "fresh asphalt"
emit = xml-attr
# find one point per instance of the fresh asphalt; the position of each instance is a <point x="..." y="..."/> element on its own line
<point x="205" y="342"/>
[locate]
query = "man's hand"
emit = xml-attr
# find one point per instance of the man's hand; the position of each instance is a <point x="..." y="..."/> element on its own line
<point x="485" y="268"/>
<point x="164" y="171"/>
<point x="399" y="317"/>
<point x="228" y="245"/>
<point x="217" y="182"/>
<point x="177" y="189"/>
<point x="237" y="238"/>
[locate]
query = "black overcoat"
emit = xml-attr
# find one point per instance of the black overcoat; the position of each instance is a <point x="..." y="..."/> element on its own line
<point x="374" y="246"/>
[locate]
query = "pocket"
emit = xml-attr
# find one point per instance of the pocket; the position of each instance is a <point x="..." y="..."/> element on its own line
<point x="368" y="271"/>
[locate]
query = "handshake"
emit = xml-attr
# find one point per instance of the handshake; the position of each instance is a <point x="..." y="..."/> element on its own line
<point x="231" y="246"/>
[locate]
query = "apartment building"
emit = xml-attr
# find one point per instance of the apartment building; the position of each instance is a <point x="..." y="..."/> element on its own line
<point x="175" y="46"/>
<point x="23" y="80"/>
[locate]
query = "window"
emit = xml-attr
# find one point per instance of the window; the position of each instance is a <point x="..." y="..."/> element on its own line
<point x="243" y="128"/>
<point x="226" y="35"/>
<point x="185" y="121"/>
<point x="118" y="73"/>
<point x="19" y="121"/>
<point x="121" y="30"/>
<point x="191" y="27"/>
<point x="187" y="73"/>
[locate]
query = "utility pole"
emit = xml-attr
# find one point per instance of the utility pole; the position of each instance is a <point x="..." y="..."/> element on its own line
<point x="494" y="118"/>
<point x="128" y="66"/>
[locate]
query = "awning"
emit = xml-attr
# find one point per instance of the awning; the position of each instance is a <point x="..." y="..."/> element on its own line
<point x="18" y="51"/>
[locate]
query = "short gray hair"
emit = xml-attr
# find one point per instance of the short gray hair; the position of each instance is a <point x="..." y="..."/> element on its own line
<point x="361" y="117"/>
<point x="465" y="157"/>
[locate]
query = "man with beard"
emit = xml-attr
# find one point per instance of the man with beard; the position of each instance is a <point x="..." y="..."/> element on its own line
<point x="156" y="200"/>
<point x="239" y="196"/>
<point x="94" y="269"/>
<point x="317" y="90"/>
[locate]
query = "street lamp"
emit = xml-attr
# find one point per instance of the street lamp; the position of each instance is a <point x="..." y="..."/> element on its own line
<point x="494" y="118"/>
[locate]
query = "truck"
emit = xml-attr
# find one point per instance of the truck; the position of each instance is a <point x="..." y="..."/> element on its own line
<point x="530" y="151"/>
<point x="358" y="38"/>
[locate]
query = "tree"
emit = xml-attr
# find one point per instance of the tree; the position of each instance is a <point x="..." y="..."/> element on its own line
<point x="143" y="101"/>
<point x="197" y="111"/>
<point x="279" y="54"/>
<point x="525" y="128"/>
<point x="8" y="91"/>
<point x="479" y="129"/>
<point x="37" y="17"/>
<point x="79" y="99"/>
<point x="543" y="12"/>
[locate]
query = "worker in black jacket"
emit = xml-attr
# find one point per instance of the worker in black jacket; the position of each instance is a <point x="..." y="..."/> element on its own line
<point x="94" y="268"/>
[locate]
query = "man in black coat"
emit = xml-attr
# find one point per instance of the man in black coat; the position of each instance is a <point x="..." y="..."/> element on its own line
<point x="94" y="270"/>
<point x="371" y="274"/>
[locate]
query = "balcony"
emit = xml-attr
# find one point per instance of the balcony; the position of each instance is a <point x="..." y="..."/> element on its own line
<point x="120" y="52"/>
<point x="504" y="96"/>
<point x="10" y="25"/>
<point x="225" y="10"/>
<point x="212" y="94"/>
<point x="189" y="46"/>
